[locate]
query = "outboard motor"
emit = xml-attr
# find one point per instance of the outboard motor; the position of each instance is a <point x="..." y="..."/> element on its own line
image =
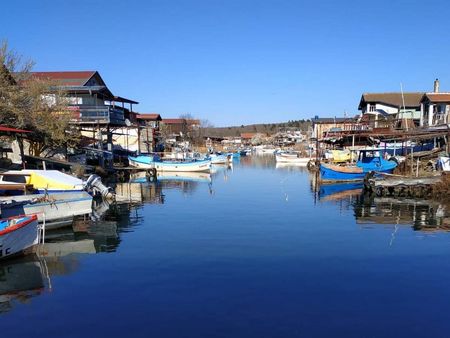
<point x="94" y="183"/>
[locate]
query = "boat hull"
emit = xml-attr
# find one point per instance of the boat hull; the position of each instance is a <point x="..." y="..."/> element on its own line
<point x="17" y="238"/>
<point x="55" y="207"/>
<point x="195" y="166"/>
<point x="334" y="173"/>
<point x="292" y="159"/>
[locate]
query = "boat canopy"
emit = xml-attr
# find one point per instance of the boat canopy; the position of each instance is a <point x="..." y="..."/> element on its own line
<point x="48" y="179"/>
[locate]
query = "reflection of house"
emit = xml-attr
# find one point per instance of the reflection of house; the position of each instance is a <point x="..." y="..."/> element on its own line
<point x="383" y="109"/>
<point x="435" y="107"/>
<point x="334" y="124"/>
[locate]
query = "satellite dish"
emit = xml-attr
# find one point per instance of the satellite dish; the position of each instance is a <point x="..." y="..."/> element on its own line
<point x="127" y="123"/>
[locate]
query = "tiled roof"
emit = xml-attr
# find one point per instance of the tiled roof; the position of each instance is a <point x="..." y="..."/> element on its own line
<point x="149" y="117"/>
<point x="247" y="135"/>
<point x="412" y="99"/>
<point x="174" y="121"/>
<point x="438" y="97"/>
<point x="76" y="78"/>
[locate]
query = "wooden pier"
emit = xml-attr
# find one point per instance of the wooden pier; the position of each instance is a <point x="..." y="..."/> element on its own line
<point x="401" y="186"/>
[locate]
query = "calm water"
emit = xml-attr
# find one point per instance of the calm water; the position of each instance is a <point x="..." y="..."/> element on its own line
<point x="257" y="251"/>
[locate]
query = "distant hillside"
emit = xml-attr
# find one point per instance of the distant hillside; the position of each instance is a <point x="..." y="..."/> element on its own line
<point x="266" y="128"/>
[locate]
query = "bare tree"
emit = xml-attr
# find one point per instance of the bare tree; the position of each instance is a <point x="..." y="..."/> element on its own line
<point x="34" y="104"/>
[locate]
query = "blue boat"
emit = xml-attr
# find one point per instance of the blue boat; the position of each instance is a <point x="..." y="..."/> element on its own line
<point x="155" y="162"/>
<point x="369" y="160"/>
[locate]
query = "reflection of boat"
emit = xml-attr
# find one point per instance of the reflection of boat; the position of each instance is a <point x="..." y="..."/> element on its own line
<point x="187" y="177"/>
<point x="18" y="234"/>
<point x="339" y="191"/>
<point x="368" y="161"/>
<point x="289" y="165"/>
<point x="287" y="157"/>
<point x="50" y="207"/>
<point x="20" y="279"/>
<point x="153" y="161"/>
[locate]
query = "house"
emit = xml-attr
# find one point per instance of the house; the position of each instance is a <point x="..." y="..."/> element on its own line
<point x="247" y="138"/>
<point x="321" y="126"/>
<point x="180" y="126"/>
<point x="89" y="98"/>
<point x="435" y="107"/>
<point x="102" y="117"/>
<point x="381" y="110"/>
<point x="149" y="134"/>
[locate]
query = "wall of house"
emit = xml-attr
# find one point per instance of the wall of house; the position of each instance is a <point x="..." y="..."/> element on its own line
<point x="85" y="99"/>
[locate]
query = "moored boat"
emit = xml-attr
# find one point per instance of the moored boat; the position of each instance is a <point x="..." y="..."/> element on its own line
<point x="49" y="207"/>
<point x="291" y="157"/>
<point x="18" y="234"/>
<point x="368" y="161"/>
<point x="154" y="162"/>
<point x="44" y="180"/>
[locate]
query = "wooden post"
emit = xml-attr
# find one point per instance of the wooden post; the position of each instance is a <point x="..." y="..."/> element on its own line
<point x="412" y="161"/>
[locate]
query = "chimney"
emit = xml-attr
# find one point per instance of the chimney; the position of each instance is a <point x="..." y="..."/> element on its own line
<point x="436" y="86"/>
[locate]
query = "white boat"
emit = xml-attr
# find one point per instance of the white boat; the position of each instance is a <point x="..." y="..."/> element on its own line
<point x="51" y="207"/>
<point x="153" y="162"/>
<point x="219" y="159"/>
<point x="18" y="234"/>
<point x="291" y="158"/>
<point x="444" y="163"/>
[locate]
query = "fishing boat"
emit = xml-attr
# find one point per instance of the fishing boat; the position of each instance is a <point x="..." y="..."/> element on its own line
<point x="154" y="162"/>
<point x="18" y="234"/>
<point x="218" y="159"/>
<point x="291" y="157"/>
<point x="49" y="207"/>
<point x="368" y="161"/>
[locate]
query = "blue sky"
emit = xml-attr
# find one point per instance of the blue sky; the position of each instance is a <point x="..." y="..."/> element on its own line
<point x="239" y="61"/>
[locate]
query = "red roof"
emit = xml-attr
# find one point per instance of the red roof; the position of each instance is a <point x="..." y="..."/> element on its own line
<point x="247" y="135"/>
<point x="13" y="130"/>
<point x="174" y="121"/>
<point x="76" y="78"/>
<point x="150" y="117"/>
<point x="438" y="97"/>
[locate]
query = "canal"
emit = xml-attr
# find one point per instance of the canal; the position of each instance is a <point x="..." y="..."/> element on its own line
<point x="255" y="250"/>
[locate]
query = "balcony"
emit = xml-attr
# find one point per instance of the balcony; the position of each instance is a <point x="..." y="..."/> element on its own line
<point x="98" y="115"/>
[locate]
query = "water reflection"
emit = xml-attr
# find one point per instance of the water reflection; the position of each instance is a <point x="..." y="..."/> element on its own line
<point x="422" y="215"/>
<point x="20" y="281"/>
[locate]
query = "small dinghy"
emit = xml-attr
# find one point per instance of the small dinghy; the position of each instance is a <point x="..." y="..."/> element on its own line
<point x="18" y="234"/>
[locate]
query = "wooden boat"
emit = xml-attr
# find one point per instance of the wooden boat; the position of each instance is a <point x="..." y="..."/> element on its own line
<point x="291" y="157"/>
<point x="18" y="234"/>
<point x="154" y="162"/>
<point x="50" y="207"/>
<point x="368" y="161"/>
